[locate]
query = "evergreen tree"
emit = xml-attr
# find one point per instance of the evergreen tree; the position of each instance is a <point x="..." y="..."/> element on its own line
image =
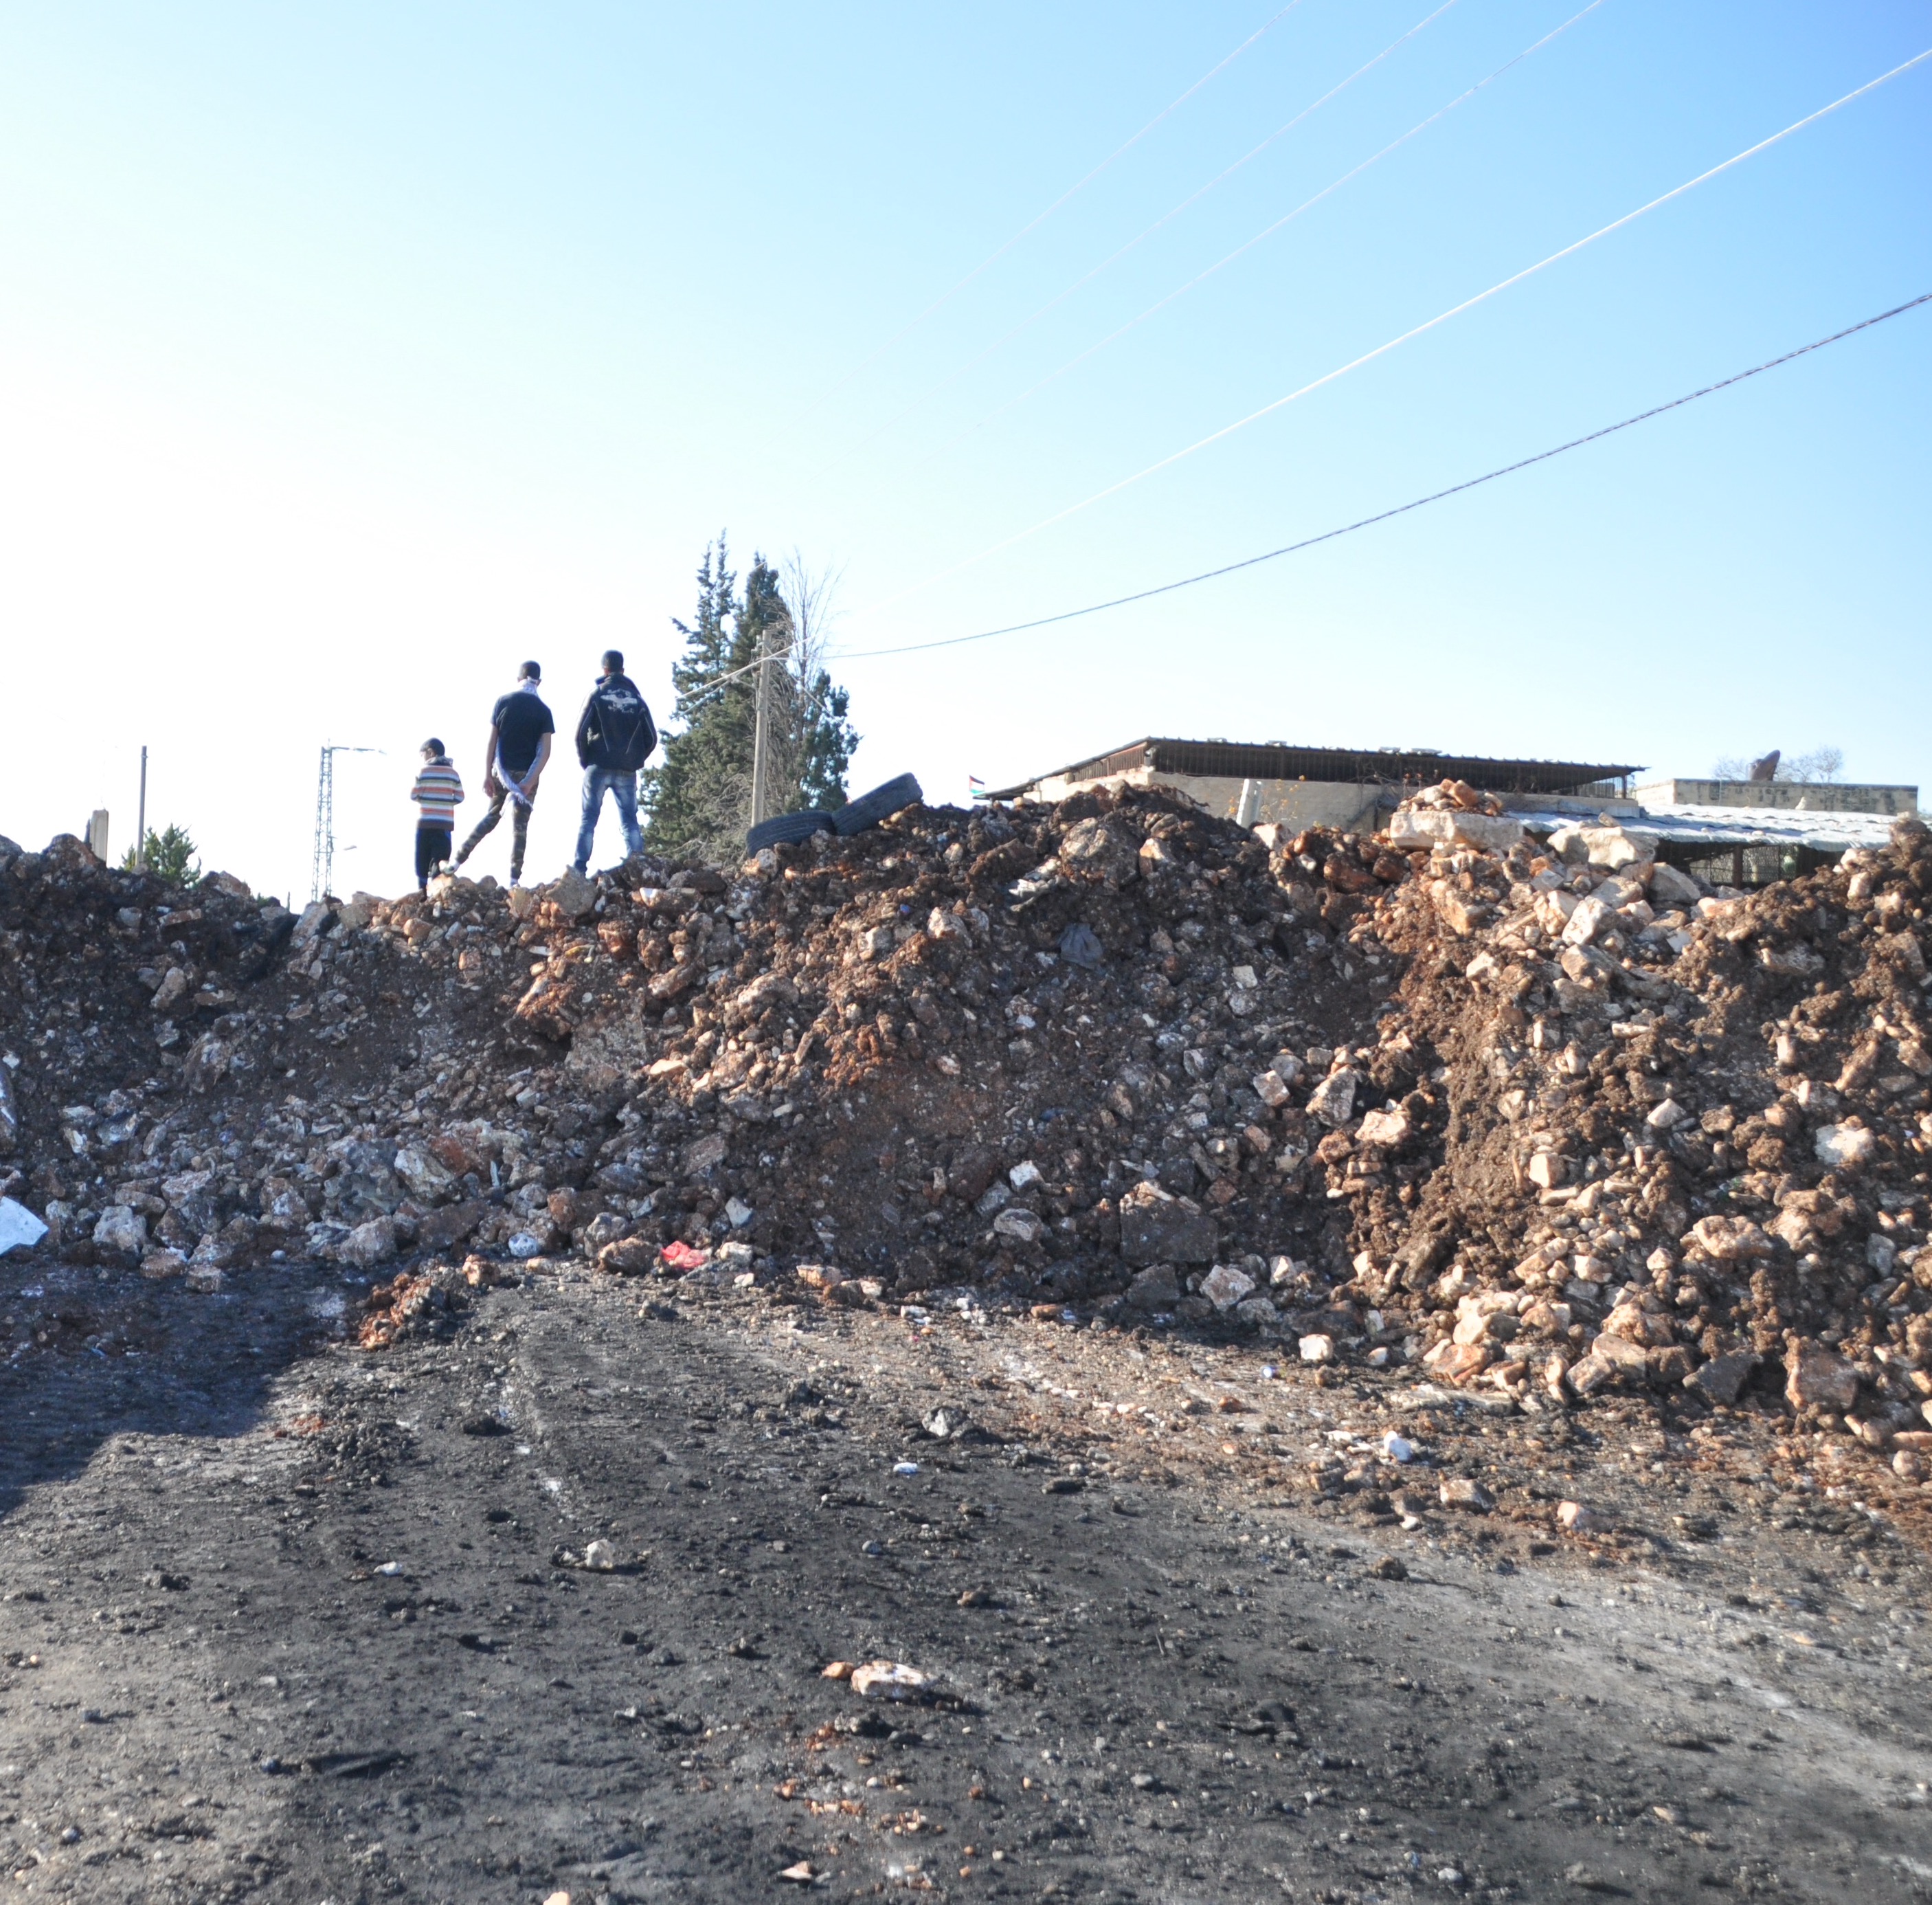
<point x="693" y="791"/>
<point x="829" y="739"/>
<point x="699" y="796"/>
<point x="170" y="857"/>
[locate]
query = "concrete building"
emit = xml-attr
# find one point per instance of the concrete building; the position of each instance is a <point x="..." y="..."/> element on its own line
<point x="1748" y="833"/>
<point x="1792" y="796"/>
<point x="1741" y="833"/>
<point x="1353" y="788"/>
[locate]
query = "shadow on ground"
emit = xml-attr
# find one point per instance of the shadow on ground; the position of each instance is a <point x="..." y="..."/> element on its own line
<point x="93" y="1352"/>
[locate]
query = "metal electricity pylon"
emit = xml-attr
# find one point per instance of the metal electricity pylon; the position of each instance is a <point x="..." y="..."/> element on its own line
<point x="322" y="870"/>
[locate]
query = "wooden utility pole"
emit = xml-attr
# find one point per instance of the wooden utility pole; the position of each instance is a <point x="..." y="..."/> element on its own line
<point x="761" y="734"/>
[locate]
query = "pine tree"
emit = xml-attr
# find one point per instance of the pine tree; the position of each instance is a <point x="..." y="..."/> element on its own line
<point x="691" y="792"/>
<point x="170" y="857"/>
<point x="700" y="797"/>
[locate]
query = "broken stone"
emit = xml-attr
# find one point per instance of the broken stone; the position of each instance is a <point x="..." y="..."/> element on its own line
<point x="1464" y="1491"/>
<point x="1099" y="849"/>
<point x="1333" y="1100"/>
<point x="628" y="1257"/>
<point x="705" y="1154"/>
<point x="1271" y="1088"/>
<point x="1411" y="827"/>
<point x="891" y="1679"/>
<point x="121" y="1232"/>
<point x="1387" y="1128"/>
<point x="571" y="893"/>
<point x="1450" y="1361"/>
<point x="1729" y="1239"/>
<point x="1156" y="1288"/>
<point x="1224" y="1286"/>
<point x="1669" y="888"/>
<point x="1721" y="1379"/>
<point x="1817" y="1379"/>
<point x="367" y="1244"/>
<point x="1158" y="1228"/>
<point x="1844" y="1147"/>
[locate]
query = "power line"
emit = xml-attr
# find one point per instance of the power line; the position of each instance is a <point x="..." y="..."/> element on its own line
<point x="1033" y="224"/>
<point x="1167" y="218"/>
<point x="1288" y="219"/>
<point x="1416" y="331"/>
<point x="1401" y="508"/>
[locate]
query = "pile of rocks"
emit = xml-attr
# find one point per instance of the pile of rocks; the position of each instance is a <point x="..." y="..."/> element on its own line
<point x="1689" y="1136"/>
<point x="1542" y="1115"/>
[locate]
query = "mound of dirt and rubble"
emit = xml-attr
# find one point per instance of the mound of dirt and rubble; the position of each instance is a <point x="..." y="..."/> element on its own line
<point x="1545" y="1116"/>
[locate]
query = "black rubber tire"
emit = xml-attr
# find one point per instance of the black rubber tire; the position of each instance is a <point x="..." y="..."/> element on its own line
<point x="881" y="803"/>
<point x="783" y="829"/>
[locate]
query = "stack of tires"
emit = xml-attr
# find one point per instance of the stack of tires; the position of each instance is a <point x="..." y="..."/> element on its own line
<point x="854" y="817"/>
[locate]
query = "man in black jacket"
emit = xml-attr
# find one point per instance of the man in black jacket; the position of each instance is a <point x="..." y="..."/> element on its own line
<point x="614" y="739"/>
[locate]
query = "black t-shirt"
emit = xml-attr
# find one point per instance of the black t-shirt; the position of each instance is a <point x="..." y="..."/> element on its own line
<point x="521" y="721"/>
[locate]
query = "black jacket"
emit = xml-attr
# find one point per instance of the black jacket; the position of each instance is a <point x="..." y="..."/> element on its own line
<point x="616" y="732"/>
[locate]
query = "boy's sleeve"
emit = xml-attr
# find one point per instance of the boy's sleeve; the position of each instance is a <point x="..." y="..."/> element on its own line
<point x="419" y="792"/>
<point x="456" y="794"/>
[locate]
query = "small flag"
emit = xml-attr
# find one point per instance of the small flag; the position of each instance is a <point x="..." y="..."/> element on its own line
<point x="975" y="788"/>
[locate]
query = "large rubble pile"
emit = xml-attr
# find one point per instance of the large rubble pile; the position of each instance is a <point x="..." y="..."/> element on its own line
<point x="1546" y="1118"/>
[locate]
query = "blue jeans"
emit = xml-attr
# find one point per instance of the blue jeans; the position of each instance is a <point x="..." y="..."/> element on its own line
<point x="597" y="783"/>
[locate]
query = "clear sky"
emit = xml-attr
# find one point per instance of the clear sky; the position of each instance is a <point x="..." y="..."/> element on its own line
<point x="349" y="354"/>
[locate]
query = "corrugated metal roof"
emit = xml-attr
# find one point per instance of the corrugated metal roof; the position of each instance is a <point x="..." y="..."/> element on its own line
<point x="1719" y="828"/>
<point x="1397" y="766"/>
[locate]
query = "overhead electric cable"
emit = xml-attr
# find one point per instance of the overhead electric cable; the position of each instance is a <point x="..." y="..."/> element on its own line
<point x="1416" y="331"/>
<point x="1193" y="198"/>
<point x="1080" y="185"/>
<point x="1401" y="508"/>
<point x="1288" y="219"/>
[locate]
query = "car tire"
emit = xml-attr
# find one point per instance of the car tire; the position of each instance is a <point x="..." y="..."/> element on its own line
<point x="881" y="803"/>
<point x="783" y="829"/>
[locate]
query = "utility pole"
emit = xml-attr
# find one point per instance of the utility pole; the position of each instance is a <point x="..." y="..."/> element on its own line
<point x="761" y="734"/>
<point x="141" y="822"/>
<point x="322" y="868"/>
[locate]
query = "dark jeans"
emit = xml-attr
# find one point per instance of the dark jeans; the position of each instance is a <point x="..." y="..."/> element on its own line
<point x="623" y="787"/>
<point x="432" y="845"/>
<point x="520" y="831"/>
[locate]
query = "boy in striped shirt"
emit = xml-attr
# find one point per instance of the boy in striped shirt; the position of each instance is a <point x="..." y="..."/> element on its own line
<point x="439" y="788"/>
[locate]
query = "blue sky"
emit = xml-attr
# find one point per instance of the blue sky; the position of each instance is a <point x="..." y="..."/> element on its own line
<point x="347" y="355"/>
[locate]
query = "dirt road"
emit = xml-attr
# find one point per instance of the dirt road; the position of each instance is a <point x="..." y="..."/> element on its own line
<point x="285" y="1622"/>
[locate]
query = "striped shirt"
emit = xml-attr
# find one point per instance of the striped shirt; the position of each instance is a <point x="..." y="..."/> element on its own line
<point x="439" y="787"/>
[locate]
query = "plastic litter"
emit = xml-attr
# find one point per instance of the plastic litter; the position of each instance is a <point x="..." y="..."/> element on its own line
<point x="19" y="1226"/>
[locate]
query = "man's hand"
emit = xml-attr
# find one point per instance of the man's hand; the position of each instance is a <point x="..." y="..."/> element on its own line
<point x="493" y="788"/>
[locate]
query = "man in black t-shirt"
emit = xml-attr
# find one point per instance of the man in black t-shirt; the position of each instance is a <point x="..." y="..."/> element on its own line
<point x="520" y="728"/>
